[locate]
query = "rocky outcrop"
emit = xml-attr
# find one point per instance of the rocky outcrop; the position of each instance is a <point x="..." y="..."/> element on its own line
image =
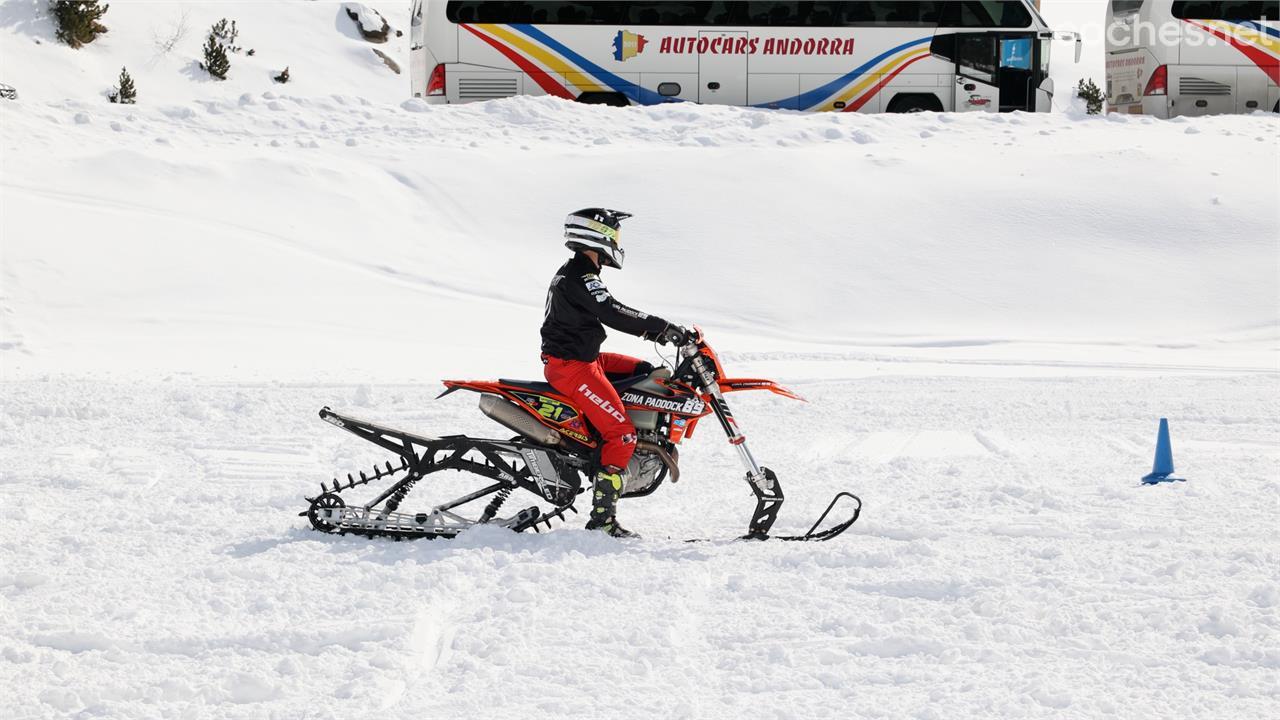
<point x="373" y="27"/>
<point x="386" y="60"/>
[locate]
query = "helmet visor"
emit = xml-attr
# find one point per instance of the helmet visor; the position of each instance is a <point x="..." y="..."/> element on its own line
<point x="610" y="233"/>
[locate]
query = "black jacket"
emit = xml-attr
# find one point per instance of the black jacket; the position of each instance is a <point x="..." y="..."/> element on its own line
<point x="578" y="305"/>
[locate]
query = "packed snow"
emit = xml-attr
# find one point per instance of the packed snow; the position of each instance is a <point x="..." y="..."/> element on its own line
<point x="1009" y="564"/>
<point x="987" y="316"/>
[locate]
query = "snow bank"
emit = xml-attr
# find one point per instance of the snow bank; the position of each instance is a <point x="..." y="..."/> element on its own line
<point x="276" y="232"/>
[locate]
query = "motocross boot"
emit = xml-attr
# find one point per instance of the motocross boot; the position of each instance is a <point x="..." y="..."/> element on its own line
<point x="604" y="504"/>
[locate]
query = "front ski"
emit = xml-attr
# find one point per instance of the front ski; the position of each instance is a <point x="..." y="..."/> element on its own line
<point x="813" y="534"/>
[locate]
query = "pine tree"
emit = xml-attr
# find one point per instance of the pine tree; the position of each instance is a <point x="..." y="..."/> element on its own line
<point x="78" y="20"/>
<point x="216" y="62"/>
<point x="1092" y="96"/>
<point x="226" y="34"/>
<point x="124" y="93"/>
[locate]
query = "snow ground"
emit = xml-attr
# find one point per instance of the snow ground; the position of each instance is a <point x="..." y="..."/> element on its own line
<point x="987" y="314"/>
<point x="1009" y="563"/>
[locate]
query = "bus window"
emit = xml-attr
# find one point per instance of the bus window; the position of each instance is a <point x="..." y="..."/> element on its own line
<point x="943" y="46"/>
<point x="781" y="13"/>
<point x="1125" y="7"/>
<point x="1015" y="53"/>
<point x="1226" y="9"/>
<point x="977" y="52"/>
<point x="985" y="14"/>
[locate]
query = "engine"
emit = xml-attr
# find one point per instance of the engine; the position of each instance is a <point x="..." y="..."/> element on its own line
<point x="647" y="467"/>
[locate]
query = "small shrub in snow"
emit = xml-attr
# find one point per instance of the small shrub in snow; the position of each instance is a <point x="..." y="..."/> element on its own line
<point x="226" y="34"/>
<point x="216" y="62"/>
<point x="124" y="93"/>
<point x="168" y="41"/>
<point x="282" y="77"/>
<point x="1092" y="96"/>
<point x="78" y="20"/>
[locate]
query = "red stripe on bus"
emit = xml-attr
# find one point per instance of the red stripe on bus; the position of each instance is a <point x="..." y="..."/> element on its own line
<point x="1268" y="64"/>
<point x="866" y="97"/>
<point x="540" y="76"/>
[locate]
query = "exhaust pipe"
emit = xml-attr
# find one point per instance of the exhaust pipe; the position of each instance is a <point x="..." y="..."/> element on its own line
<point x="510" y="416"/>
<point x="673" y="467"/>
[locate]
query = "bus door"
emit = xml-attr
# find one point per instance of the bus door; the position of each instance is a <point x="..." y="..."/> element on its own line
<point x="1017" y="73"/>
<point x="977" y="88"/>
<point x="722" y="72"/>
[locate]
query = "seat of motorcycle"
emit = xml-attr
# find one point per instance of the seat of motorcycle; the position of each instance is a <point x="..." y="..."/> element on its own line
<point x="539" y="386"/>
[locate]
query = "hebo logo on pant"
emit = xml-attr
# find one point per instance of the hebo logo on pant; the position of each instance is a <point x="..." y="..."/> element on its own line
<point x="604" y="404"/>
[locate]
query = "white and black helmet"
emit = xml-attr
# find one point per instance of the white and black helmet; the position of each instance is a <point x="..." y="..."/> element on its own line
<point x="596" y="229"/>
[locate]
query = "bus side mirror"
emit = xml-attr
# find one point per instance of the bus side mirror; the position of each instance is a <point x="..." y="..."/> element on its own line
<point x="1069" y="35"/>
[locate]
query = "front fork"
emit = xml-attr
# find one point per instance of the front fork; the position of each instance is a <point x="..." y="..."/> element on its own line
<point x="764" y="483"/>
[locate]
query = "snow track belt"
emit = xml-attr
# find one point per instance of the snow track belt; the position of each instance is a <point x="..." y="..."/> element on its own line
<point x="498" y="460"/>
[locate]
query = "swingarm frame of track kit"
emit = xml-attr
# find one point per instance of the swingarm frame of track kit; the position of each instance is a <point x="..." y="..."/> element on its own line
<point x="510" y="465"/>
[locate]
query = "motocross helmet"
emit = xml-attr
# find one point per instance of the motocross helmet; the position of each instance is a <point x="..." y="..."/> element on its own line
<point x="597" y="229"/>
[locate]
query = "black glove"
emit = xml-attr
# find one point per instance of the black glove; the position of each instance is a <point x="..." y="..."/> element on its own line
<point x="675" y="335"/>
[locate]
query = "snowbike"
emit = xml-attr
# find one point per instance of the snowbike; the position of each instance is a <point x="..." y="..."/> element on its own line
<point x="555" y="453"/>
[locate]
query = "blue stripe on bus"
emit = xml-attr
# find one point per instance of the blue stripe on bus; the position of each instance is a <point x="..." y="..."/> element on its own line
<point x="1254" y="25"/>
<point x="813" y="97"/>
<point x="630" y="89"/>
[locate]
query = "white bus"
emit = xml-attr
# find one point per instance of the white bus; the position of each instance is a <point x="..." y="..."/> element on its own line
<point x="1193" y="57"/>
<point x="878" y="56"/>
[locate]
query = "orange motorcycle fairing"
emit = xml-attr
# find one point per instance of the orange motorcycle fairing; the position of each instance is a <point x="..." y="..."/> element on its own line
<point x="549" y="407"/>
<point x="738" y="384"/>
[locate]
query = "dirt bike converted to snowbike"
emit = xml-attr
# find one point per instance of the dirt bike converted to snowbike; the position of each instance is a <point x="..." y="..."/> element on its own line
<point x="554" y="451"/>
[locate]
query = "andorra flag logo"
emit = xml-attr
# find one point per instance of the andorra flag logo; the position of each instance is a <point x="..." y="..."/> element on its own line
<point x="627" y="45"/>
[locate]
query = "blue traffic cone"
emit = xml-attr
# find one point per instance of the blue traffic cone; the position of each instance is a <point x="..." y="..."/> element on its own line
<point x="1162" y="470"/>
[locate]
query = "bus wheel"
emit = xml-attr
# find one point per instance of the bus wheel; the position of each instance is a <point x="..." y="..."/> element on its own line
<point x="914" y="103"/>
<point x="603" y="98"/>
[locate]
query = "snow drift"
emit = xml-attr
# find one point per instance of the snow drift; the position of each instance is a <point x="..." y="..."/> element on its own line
<point x="335" y="233"/>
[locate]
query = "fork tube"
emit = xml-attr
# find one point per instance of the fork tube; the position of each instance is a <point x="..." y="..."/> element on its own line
<point x="764" y="483"/>
<point x="725" y="416"/>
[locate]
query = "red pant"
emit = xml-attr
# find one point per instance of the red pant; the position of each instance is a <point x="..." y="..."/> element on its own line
<point x="585" y="383"/>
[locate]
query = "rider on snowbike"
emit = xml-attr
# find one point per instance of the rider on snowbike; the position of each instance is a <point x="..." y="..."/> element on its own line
<point x="578" y="306"/>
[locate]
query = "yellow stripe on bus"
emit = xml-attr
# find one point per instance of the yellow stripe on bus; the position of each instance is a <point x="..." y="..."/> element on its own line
<point x="1262" y="40"/>
<point x="871" y="80"/>
<point x="571" y="74"/>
